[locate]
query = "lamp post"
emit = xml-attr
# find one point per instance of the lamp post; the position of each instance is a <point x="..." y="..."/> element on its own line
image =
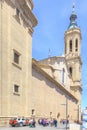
<point x="66" y="112"/>
<point x="66" y="105"/>
<point x="50" y="114"/>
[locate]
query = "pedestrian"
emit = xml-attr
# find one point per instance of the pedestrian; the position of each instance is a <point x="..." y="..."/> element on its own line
<point x="55" y="122"/>
<point x="34" y="122"/>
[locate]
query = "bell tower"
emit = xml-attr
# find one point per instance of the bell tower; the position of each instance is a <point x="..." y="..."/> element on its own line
<point x="72" y="41"/>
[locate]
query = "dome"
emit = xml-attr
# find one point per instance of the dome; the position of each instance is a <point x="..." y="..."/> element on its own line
<point x="73" y="17"/>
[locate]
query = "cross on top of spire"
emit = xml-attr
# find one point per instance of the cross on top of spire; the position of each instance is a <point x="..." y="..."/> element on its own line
<point x="73" y="7"/>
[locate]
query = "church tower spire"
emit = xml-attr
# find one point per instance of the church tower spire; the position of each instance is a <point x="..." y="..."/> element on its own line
<point x="73" y="17"/>
<point x="72" y="41"/>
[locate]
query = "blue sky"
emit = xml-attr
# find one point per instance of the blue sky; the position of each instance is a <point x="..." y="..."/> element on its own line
<point x="53" y="21"/>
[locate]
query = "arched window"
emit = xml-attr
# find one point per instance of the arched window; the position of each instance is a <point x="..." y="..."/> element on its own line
<point x="76" y="45"/>
<point x="70" y="70"/>
<point x="63" y="73"/>
<point x="70" y="45"/>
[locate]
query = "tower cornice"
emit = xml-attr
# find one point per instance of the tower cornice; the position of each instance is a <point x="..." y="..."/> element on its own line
<point x="26" y="11"/>
<point x="75" y="57"/>
<point x="72" y="31"/>
<point x="26" y="16"/>
<point x="77" y="87"/>
<point x="29" y="3"/>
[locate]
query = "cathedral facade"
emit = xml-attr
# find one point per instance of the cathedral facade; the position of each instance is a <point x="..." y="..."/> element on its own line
<point x="45" y="88"/>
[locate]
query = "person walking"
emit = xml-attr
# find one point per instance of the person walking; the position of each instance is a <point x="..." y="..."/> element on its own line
<point x="55" y="122"/>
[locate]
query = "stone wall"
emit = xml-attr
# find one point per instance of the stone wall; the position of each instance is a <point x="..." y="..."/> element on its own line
<point x="47" y="97"/>
<point x="15" y="37"/>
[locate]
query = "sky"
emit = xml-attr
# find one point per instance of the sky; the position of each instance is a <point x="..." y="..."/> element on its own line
<point x="53" y="20"/>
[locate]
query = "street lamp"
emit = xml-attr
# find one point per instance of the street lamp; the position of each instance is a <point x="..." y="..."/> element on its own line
<point x="50" y="114"/>
<point x="66" y="105"/>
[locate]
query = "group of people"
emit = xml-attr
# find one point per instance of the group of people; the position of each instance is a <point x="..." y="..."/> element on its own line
<point x="43" y="122"/>
<point x="64" y="121"/>
<point x="46" y="122"/>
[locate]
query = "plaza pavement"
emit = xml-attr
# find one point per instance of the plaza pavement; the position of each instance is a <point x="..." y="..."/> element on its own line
<point x="59" y="127"/>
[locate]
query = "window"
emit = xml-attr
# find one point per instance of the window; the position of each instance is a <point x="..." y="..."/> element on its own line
<point x="70" y="70"/>
<point x="16" y="89"/>
<point x="16" y="57"/>
<point x="70" y="46"/>
<point x="76" y="45"/>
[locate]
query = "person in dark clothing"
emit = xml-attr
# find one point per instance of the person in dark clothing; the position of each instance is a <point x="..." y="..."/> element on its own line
<point x="33" y="123"/>
<point x="55" y="122"/>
